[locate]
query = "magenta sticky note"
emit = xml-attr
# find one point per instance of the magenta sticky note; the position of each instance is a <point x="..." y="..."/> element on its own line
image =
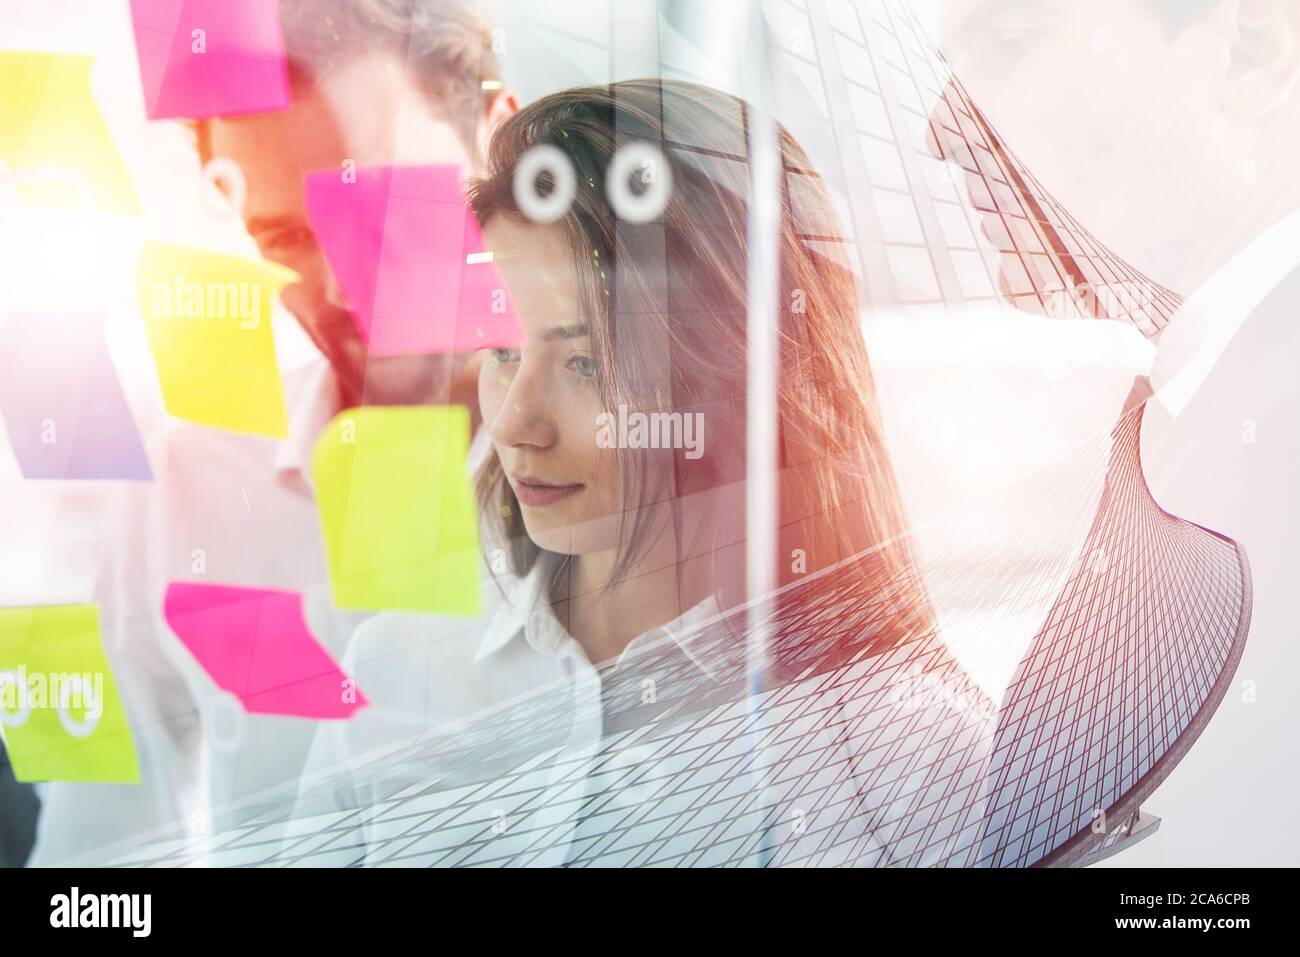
<point x="410" y="259"/>
<point x="61" y="401"/>
<point x="203" y="58"/>
<point x="255" y="644"/>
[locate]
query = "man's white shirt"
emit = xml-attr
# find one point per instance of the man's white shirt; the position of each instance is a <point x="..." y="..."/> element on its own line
<point x="1220" y="447"/>
<point x="224" y="509"/>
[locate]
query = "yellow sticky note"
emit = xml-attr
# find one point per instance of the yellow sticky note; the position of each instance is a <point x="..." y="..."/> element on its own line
<point x="397" y="509"/>
<point x="49" y="123"/>
<point x="209" y="325"/>
<point x="61" y="716"/>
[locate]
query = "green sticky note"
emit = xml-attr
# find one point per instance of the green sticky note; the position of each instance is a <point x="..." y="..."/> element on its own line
<point x="61" y="716"/>
<point x="397" y="509"/>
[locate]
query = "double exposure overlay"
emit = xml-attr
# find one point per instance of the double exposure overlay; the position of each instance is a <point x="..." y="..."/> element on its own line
<point x="644" y="433"/>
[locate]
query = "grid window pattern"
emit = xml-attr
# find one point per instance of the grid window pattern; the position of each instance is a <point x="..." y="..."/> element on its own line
<point x="950" y="216"/>
<point x="884" y="757"/>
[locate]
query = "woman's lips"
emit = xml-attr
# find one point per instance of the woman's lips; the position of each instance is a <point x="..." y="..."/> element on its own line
<point x="535" y="494"/>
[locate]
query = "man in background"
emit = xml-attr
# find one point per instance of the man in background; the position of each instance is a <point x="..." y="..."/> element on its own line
<point x="374" y="82"/>
<point x="1169" y="130"/>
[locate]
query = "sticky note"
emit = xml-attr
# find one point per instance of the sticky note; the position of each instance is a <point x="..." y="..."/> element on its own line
<point x="397" y="511"/>
<point x="410" y="259"/>
<point x="61" y="715"/>
<point x="51" y="131"/>
<point x="62" y="403"/>
<point x="255" y="644"/>
<point x="203" y="58"/>
<point x="209" y="324"/>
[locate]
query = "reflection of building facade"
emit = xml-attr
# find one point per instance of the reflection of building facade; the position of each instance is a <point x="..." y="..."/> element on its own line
<point x="938" y="213"/>
<point x="1130" y="665"/>
<point x="857" y="763"/>
<point x="860" y="755"/>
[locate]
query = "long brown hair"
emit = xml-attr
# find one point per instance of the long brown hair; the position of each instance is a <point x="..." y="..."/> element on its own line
<point x="665" y="302"/>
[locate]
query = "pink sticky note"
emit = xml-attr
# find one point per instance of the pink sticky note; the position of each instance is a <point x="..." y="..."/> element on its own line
<point x="410" y="259"/>
<point x="62" y="403"/>
<point x="255" y="644"/>
<point x="202" y="58"/>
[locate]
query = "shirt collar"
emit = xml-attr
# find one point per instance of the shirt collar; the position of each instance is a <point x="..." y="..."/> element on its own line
<point x="1209" y="318"/>
<point x="522" y="596"/>
<point x="527" y="615"/>
<point x="313" y="397"/>
<point x="686" y="631"/>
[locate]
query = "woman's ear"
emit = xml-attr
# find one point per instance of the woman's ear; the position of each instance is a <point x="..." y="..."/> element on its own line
<point x="1264" y="56"/>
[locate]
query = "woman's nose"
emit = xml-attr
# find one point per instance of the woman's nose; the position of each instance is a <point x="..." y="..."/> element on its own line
<point x="524" y="417"/>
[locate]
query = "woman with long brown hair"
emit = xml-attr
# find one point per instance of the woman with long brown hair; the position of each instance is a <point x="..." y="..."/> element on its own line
<point x="612" y="486"/>
<point x="644" y="322"/>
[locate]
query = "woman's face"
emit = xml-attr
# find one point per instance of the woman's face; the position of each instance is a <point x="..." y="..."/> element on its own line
<point x="540" y="402"/>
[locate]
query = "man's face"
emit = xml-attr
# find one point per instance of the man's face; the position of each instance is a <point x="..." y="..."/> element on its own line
<point x="1116" y="114"/>
<point x="368" y="113"/>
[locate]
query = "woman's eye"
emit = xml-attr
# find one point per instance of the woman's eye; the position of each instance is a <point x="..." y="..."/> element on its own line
<point x="501" y="356"/>
<point x="585" y="366"/>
